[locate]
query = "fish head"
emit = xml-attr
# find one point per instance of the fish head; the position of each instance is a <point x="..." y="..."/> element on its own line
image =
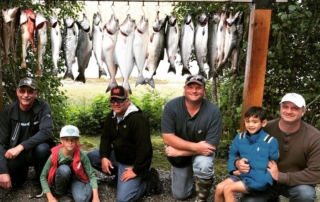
<point x="203" y="19"/>
<point x="10" y="14"/>
<point x="112" y="25"/>
<point x="30" y="14"/>
<point x="69" y="21"/>
<point x="23" y="17"/>
<point x="187" y="19"/>
<point x="96" y="18"/>
<point x="53" y="19"/>
<point x="143" y="24"/>
<point x="159" y="25"/>
<point x="172" y="20"/>
<point x="84" y="23"/>
<point x="128" y="26"/>
<point x="39" y="19"/>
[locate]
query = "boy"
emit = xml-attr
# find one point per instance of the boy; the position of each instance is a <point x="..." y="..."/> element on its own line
<point x="69" y="166"/>
<point x="258" y="148"/>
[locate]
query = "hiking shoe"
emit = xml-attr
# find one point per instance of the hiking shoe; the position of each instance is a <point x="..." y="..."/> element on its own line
<point x="36" y="193"/>
<point x="157" y="185"/>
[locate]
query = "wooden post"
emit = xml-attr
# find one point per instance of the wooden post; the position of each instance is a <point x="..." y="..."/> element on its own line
<point x="260" y="20"/>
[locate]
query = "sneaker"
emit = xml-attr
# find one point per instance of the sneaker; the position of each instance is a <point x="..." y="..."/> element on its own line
<point x="157" y="185"/>
<point x="36" y="193"/>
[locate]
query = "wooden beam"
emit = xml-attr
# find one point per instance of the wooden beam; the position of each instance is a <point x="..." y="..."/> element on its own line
<point x="258" y="39"/>
<point x="233" y="1"/>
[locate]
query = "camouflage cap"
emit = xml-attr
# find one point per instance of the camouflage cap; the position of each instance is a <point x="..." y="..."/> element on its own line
<point x="28" y="82"/>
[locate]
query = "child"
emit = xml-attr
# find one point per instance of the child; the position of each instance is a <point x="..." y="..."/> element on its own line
<point x="68" y="166"/>
<point x="258" y="148"/>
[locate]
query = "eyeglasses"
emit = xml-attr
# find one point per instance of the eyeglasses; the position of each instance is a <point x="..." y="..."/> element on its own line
<point x="196" y="78"/>
<point x="23" y="91"/>
<point x="117" y="100"/>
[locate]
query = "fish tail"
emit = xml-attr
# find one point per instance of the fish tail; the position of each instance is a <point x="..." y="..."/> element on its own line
<point x="111" y="86"/>
<point x="81" y="78"/>
<point x="140" y="80"/>
<point x="185" y="70"/>
<point x="68" y="76"/>
<point x="203" y="73"/>
<point x="102" y="72"/>
<point x="126" y="85"/>
<point x="23" y="64"/>
<point x="172" y="68"/>
<point x="150" y="82"/>
<point x="212" y="73"/>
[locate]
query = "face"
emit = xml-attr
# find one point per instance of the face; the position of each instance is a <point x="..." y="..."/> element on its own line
<point x="194" y="92"/>
<point x="69" y="143"/>
<point x="291" y="113"/>
<point x="119" y="106"/>
<point x="253" y="124"/>
<point x="26" y="96"/>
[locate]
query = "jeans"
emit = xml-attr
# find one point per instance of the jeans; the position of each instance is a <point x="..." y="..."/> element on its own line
<point x="19" y="166"/>
<point x="131" y="190"/>
<point x="64" y="176"/>
<point x="182" y="178"/>
<point x="299" y="193"/>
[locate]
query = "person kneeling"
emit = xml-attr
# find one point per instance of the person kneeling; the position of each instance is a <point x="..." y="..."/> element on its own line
<point x="68" y="166"/>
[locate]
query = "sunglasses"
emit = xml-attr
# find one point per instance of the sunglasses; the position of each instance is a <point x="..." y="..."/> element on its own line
<point x="117" y="100"/>
<point x="23" y="91"/>
<point x="196" y="78"/>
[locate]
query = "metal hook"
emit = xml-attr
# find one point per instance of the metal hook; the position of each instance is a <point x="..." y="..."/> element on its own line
<point x="98" y="7"/>
<point x="141" y="7"/>
<point x="112" y="7"/>
<point x="128" y="7"/>
<point x="158" y="6"/>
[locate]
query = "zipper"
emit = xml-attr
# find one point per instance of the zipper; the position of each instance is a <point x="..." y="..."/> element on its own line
<point x="15" y="131"/>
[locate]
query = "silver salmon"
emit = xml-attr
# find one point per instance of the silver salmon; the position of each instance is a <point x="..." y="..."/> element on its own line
<point x="172" y="42"/>
<point x="56" y="41"/>
<point x="200" y="42"/>
<point x="27" y="26"/>
<point x="214" y="19"/>
<point x="41" y="27"/>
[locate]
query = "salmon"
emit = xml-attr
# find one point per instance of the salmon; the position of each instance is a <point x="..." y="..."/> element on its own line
<point x="27" y="25"/>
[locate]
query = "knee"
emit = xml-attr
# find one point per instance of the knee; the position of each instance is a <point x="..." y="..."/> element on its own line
<point x="203" y="168"/>
<point x="219" y="188"/>
<point x="42" y="151"/>
<point x="303" y="193"/>
<point x="82" y="197"/>
<point x="64" y="171"/>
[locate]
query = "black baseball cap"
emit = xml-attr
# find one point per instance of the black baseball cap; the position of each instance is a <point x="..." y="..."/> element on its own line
<point x="119" y="92"/>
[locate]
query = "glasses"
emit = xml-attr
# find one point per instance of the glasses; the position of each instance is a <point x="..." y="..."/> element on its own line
<point x="117" y="100"/>
<point x="23" y="91"/>
<point x="196" y="78"/>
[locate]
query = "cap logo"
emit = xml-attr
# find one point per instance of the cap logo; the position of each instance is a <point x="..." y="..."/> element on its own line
<point x="27" y="81"/>
<point x="70" y="131"/>
<point x="116" y="90"/>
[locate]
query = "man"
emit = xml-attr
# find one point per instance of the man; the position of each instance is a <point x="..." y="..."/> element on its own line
<point x="126" y="149"/>
<point x="298" y="168"/>
<point x="25" y="137"/>
<point x="191" y="130"/>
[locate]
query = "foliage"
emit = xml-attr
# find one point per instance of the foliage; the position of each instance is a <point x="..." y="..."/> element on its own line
<point x="48" y="84"/>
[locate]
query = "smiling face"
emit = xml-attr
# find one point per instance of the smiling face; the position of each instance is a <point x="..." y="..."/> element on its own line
<point x="291" y="113"/>
<point x="119" y="106"/>
<point x="26" y="96"/>
<point x="69" y="143"/>
<point x="194" y="92"/>
<point x="254" y="124"/>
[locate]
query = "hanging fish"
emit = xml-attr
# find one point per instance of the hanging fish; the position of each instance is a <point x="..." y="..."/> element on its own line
<point x="172" y="41"/>
<point x="200" y="42"/>
<point x="124" y="50"/>
<point x="27" y="24"/>
<point x="70" y="42"/>
<point x="41" y="26"/>
<point x="186" y="39"/>
<point x="214" y="19"/>
<point x="10" y="26"/>
<point x="140" y="47"/>
<point x="109" y="39"/>
<point x="156" y="47"/>
<point x="97" y="41"/>
<point x="84" y="48"/>
<point x="222" y="27"/>
<point x="56" y="41"/>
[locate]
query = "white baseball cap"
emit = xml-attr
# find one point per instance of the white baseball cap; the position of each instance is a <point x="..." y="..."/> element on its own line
<point x="69" y="131"/>
<point x="295" y="99"/>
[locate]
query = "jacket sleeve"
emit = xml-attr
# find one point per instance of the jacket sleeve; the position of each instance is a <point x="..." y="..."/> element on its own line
<point x="4" y="140"/>
<point x="233" y="154"/>
<point x="105" y="139"/>
<point x="274" y="150"/>
<point x="45" y="128"/>
<point x="144" y="153"/>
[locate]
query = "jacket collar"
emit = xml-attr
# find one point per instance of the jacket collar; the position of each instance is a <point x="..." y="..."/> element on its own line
<point x="36" y="107"/>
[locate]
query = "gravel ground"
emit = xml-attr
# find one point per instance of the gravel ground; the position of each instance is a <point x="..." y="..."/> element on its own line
<point x="107" y="191"/>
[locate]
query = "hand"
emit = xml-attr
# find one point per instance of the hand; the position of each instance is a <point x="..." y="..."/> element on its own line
<point x="170" y="151"/>
<point x="242" y="165"/>
<point x="106" y="165"/>
<point x="273" y="169"/>
<point x="236" y="173"/>
<point x="5" y="181"/>
<point x="95" y="199"/>
<point x="53" y="200"/>
<point x="13" y="152"/>
<point x="205" y="149"/>
<point x="128" y="174"/>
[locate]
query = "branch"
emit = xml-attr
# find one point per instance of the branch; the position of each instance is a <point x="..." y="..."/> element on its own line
<point x="313" y="100"/>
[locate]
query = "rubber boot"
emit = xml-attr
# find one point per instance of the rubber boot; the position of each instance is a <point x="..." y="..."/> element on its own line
<point x="203" y="187"/>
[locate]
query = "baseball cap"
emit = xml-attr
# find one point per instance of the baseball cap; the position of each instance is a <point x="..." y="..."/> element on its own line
<point x="119" y="92"/>
<point x="28" y="82"/>
<point x="69" y="131"/>
<point x="195" y="79"/>
<point x="295" y="99"/>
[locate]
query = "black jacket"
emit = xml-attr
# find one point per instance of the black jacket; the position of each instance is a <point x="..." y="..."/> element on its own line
<point x="10" y="129"/>
<point x="130" y="139"/>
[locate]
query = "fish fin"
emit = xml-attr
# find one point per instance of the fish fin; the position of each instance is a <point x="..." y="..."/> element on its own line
<point x="81" y="78"/>
<point x="68" y="76"/>
<point x="172" y="68"/>
<point x="102" y="72"/>
<point x="185" y="70"/>
<point x="203" y="73"/>
<point x="151" y="37"/>
<point x="140" y="79"/>
<point x="111" y="86"/>
<point x="126" y="85"/>
<point x="150" y="82"/>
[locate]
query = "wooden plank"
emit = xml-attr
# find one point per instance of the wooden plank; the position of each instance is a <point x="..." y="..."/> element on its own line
<point x="258" y="39"/>
<point x="235" y="1"/>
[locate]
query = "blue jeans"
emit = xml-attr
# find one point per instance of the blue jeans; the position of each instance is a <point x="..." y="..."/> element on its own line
<point x="64" y="177"/>
<point x="131" y="190"/>
<point x="305" y="193"/>
<point x="182" y="178"/>
<point x="19" y="166"/>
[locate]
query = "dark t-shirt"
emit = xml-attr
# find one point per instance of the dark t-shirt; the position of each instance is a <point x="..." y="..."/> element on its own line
<point x="24" y="117"/>
<point x="205" y="125"/>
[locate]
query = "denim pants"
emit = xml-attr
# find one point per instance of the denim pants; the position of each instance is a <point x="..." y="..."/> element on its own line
<point x="305" y="193"/>
<point x="64" y="177"/>
<point x="19" y="166"/>
<point x="131" y="190"/>
<point x="182" y="178"/>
